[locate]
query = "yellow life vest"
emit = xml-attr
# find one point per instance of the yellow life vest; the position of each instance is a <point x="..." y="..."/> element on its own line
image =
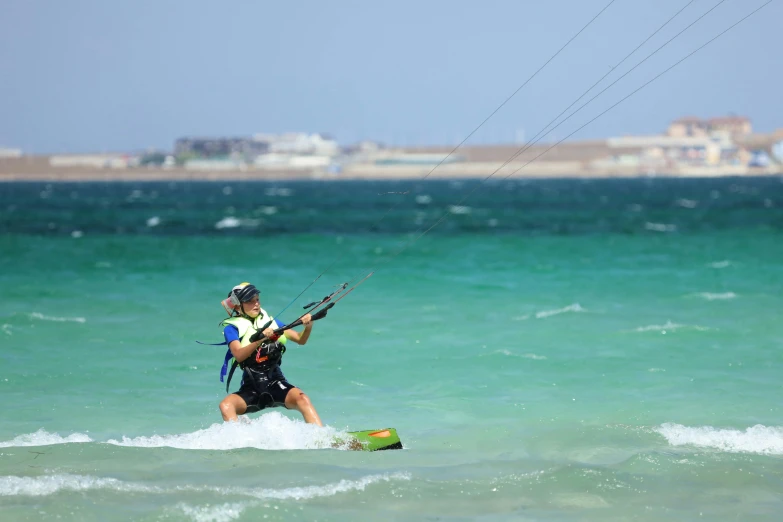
<point x="246" y="328"/>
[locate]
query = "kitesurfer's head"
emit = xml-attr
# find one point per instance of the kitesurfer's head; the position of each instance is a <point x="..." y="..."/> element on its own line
<point x="243" y="299"/>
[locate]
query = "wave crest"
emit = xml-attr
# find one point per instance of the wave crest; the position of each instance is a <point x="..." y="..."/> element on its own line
<point x="756" y="439"/>
<point x="51" y="484"/>
<point x="570" y="308"/>
<point x="272" y="431"/>
<point x="44" y="438"/>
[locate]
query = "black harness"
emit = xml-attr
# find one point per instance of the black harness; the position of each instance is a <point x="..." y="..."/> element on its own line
<point x="265" y="358"/>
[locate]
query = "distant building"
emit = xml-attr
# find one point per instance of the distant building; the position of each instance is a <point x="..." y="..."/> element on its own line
<point x="299" y="143"/>
<point x="686" y="150"/>
<point x="10" y="153"/>
<point x="214" y="164"/>
<point x="363" y="147"/>
<point x="292" y="161"/>
<point x="733" y="125"/>
<point x="752" y="144"/>
<point x="213" y="148"/>
<point x="692" y="126"/>
<point x="777" y="151"/>
<point x="759" y="158"/>
<point x="96" y="161"/>
<point x="255" y="149"/>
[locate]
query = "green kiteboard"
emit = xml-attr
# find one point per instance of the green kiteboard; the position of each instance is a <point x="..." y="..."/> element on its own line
<point x="372" y="440"/>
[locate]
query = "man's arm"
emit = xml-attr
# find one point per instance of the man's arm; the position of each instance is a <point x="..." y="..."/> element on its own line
<point x="240" y="352"/>
<point x="301" y="338"/>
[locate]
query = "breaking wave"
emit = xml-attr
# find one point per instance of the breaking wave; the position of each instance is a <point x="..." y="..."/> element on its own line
<point x="44" y="438"/>
<point x="51" y="484"/>
<point x="570" y="308"/>
<point x="669" y="327"/>
<point x="756" y="439"/>
<point x="272" y="431"/>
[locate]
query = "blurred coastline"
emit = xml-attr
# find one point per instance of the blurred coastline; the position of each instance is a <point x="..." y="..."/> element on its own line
<point x="690" y="147"/>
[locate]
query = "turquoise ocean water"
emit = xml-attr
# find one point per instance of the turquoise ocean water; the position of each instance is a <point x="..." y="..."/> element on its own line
<point x="554" y="350"/>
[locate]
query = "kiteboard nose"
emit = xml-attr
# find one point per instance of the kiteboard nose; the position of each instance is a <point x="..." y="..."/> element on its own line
<point x="373" y="440"/>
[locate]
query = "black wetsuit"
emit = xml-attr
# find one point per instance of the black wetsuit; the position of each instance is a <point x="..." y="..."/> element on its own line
<point x="263" y="383"/>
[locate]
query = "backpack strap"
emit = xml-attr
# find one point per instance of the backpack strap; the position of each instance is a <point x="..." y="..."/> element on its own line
<point x="224" y="369"/>
<point x="230" y="374"/>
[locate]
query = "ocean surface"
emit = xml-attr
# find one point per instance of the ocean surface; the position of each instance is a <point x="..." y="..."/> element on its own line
<point x="566" y="350"/>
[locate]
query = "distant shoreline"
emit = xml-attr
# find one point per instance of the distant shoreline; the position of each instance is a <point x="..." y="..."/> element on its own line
<point x="39" y="169"/>
<point x="389" y="174"/>
<point x="719" y="147"/>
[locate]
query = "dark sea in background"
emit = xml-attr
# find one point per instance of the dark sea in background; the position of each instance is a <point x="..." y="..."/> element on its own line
<point x="553" y="350"/>
<point x="540" y="207"/>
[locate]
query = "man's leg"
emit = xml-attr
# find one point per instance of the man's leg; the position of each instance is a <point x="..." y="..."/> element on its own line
<point x="232" y="406"/>
<point x="297" y="400"/>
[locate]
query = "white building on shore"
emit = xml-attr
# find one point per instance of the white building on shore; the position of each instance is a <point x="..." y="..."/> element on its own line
<point x="10" y="153"/>
<point x="299" y="143"/>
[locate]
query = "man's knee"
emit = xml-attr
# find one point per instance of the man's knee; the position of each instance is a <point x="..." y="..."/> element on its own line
<point x="226" y="407"/>
<point x="303" y="401"/>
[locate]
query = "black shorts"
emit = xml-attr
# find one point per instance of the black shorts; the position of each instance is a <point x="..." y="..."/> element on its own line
<point x="263" y="389"/>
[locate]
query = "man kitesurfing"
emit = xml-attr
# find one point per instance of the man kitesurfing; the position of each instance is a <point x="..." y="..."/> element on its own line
<point x="256" y="342"/>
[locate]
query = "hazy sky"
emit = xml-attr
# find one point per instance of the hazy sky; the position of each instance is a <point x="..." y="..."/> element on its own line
<point x="118" y="75"/>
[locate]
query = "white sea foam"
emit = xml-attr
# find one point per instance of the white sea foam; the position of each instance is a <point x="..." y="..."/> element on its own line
<point x="42" y="317"/>
<point x="660" y="227"/>
<point x="7" y="329"/>
<point x="669" y="327"/>
<point x="44" y="438"/>
<point x="686" y="203"/>
<point x="326" y="490"/>
<point x="459" y="209"/>
<point x="570" y="308"/>
<point x="232" y="222"/>
<point x="12" y="485"/>
<point x="709" y="296"/>
<point x="154" y="221"/>
<point x="720" y="264"/>
<point x="51" y="484"/>
<point x="272" y="431"/>
<point x="227" y="222"/>
<point x="756" y="439"/>
<point x="209" y="513"/>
